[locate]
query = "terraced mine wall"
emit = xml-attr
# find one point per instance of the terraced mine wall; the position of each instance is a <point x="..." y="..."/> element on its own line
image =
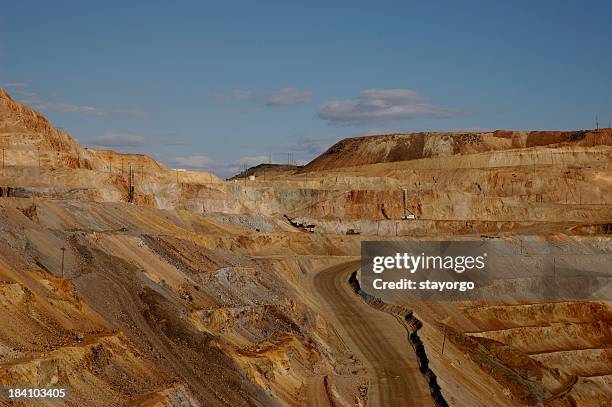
<point x="447" y="201"/>
<point x="384" y="205"/>
<point x="574" y="192"/>
<point x="585" y="225"/>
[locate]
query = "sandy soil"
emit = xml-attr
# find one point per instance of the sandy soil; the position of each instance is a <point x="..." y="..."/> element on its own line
<point x="377" y="338"/>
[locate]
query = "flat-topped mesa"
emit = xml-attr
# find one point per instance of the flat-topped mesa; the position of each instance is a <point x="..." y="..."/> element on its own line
<point x="405" y="147"/>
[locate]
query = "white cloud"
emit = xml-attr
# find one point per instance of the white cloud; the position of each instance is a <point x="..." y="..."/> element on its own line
<point x="288" y="97"/>
<point x="381" y="105"/>
<point x="251" y="161"/>
<point x="399" y="95"/>
<point x="33" y="100"/>
<point x="277" y="98"/>
<point x="119" y="140"/>
<point x="239" y="165"/>
<point x="223" y="169"/>
<point x="197" y="161"/>
<point x="308" y="146"/>
<point x="471" y="130"/>
<point x="61" y="107"/>
<point x="15" y="85"/>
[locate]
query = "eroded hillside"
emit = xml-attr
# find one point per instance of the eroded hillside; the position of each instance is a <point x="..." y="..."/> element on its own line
<point x="206" y="292"/>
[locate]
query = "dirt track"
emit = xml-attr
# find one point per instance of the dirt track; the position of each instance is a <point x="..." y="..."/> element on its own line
<point x="378" y="340"/>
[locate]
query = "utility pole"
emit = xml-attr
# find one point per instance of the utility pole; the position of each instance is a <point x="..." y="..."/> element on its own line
<point x="63" y="255"/>
<point x="290" y="159"/>
<point x="407" y="213"/>
<point x="131" y="185"/>
<point x="596" y="122"/>
<point x="444" y="341"/>
<point x="555" y="275"/>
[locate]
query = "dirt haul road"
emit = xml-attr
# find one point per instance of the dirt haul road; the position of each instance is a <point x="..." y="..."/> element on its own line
<point x="377" y="338"/>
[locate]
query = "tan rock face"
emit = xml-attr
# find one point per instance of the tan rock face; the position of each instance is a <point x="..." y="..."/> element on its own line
<point x="203" y="291"/>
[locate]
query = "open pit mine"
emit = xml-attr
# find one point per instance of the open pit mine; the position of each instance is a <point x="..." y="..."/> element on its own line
<point x="126" y="282"/>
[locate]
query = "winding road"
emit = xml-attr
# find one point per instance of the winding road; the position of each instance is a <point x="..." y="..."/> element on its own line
<point x="377" y="338"/>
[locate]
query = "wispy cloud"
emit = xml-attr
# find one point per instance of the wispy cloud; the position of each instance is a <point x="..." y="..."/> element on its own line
<point x="225" y="169"/>
<point x="382" y="105"/>
<point x="35" y="101"/>
<point x="288" y="97"/>
<point x="15" y="85"/>
<point x="61" y="107"/>
<point x="303" y="148"/>
<point x="193" y="162"/>
<point x="250" y="161"/>
<point x="118" y="140"/>
<point x="282" y="97"/>
<point x="130" y="140"/>
<point x="233" y="167"/>
<point x="471" y="130"/>
<point x="308" y="146"/>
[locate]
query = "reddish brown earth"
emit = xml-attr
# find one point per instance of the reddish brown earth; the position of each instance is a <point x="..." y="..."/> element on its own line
<point x="405" y="147"/>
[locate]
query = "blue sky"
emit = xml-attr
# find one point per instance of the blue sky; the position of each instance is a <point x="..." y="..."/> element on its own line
<point x="217" y="84"/>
